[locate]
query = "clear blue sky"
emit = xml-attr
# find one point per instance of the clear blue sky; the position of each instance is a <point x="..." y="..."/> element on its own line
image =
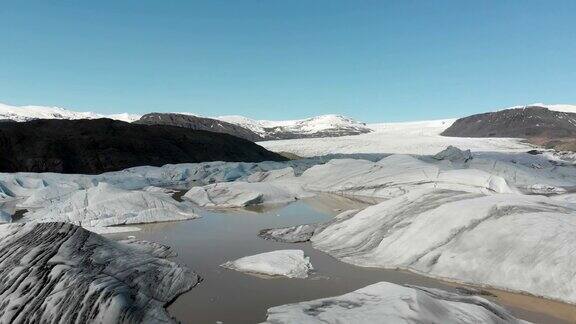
<point x="372" y="60"/>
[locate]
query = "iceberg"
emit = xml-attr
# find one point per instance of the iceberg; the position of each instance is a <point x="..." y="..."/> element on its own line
<point x="286" y="263"/>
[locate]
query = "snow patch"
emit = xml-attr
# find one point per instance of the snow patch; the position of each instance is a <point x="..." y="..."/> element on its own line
<point x="26" y="113"/>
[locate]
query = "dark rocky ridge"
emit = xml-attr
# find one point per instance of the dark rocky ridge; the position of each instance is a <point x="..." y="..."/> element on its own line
<point x="528" y="122"/>
<point x="101" y="145"/>
<point x="198" y="123"/>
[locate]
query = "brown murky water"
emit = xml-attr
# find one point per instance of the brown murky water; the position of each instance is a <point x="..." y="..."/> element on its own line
<point x="232" y="297"/>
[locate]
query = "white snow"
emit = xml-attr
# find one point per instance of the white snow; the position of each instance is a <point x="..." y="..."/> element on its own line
<point x="562" y="108"/>
<point x="126" y="117"/>
<point x="318" y="124"/>
<point x="286" y="263"/>
<point x="386" y="302"/>
<point x="398" y="138"/>
<point x="25" y="113"/>
<point x="554" y="107"/>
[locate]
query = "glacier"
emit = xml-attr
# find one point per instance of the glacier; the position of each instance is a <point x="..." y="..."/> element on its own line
<point x="132" y="196"/>
<point x="422" y="138"/>
<point x="521" y="243"/>
<point x="473" y="217"/>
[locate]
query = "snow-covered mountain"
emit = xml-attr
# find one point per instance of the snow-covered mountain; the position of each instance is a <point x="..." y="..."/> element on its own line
<point x="26" y="113"/>
<point x="319" y="126"/>
<point x="560" y="108"/>
<point x="198" y="123"/>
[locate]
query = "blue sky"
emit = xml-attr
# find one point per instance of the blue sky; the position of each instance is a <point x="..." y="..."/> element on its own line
<point x="372" y="60"/>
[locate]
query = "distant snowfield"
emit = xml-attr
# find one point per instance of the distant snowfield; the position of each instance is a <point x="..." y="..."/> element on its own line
<point x="301" y="126"/>
<point x="399" y="138"/>
<point x="25" y="113"/>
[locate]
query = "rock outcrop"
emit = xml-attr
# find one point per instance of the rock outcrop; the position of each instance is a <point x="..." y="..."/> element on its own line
<point x="101" y="145"/>
<point x="198" y="123"/>
<point x="527" y="122"/>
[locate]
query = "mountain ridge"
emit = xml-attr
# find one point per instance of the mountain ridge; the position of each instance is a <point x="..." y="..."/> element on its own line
<point x="198" y="123"/>
<point x="244" y="127"/>
<point x="331" y="125"/>
<point x="27" y="113"/>
<point x="92" y="146"/>
<point x="524" y="122"/>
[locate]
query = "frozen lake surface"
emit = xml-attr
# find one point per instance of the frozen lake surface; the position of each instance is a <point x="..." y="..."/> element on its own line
<point x="228" y="296"/>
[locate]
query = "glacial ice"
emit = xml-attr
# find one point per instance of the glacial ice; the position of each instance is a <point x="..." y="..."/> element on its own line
<point x="286" y="263"/>
<point x="61" y="273"/>
<point x="396" y="175"/>
<point x="131" y="196"/>
<point x="386" y="302"/>
<point x="265" y="176"/>
<point x="455" y="217"/>
<point x="514" y="242"/>
<point x="241" y="194"/>
<point x="294" y="234"/>
<point x="5" y="217"/>
<point x="106" y="205"/>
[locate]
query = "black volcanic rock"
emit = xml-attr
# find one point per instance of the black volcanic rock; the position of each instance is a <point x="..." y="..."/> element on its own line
<point x="198" y="123"/>
<point x="101" y="145"/>
<point x="528" y="122"/>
